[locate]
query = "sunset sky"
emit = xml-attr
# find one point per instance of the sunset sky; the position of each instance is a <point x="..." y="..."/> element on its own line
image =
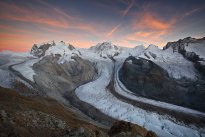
<point x="85" y="23"/>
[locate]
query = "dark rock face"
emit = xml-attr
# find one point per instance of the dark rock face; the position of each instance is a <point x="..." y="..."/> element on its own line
<point x="40" y="51"/>
<point x="22" y="116"/>
<point x="200" y="68"/>
<point x="145" y="78"/>
<point x="71" y="47"/>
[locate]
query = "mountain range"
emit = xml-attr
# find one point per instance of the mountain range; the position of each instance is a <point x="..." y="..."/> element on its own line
<point x="143" y="88"/>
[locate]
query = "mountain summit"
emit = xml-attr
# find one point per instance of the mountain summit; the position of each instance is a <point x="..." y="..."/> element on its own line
<point x="106" y="49"/>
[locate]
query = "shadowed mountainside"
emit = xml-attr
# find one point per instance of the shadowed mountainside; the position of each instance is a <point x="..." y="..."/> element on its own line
<point x="145" y="78"/>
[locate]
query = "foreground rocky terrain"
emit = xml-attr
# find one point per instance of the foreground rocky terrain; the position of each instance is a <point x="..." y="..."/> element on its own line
<point x="38" y="116"/>
<point x="160" y="90"/>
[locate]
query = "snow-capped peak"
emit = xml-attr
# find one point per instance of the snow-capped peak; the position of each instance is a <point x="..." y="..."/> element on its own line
<point x="152" y="47"/>
<point x="191" y="48"/>
<point x="104" y="46"/>
<point x="53" y="47"/>
<point x="106" y="49"/>
<point x="45" y="43"/>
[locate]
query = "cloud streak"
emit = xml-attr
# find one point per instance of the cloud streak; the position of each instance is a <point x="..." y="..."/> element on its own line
<point x="57" y="10"/>
<point x="109" y="34"/>
<point x="191" y="12"/>
<point x="125" y="12"/>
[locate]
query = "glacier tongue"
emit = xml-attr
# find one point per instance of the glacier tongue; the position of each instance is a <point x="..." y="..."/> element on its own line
<point x="96" y="94"/>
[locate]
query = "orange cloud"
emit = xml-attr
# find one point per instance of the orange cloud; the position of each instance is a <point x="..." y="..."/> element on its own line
<point x="149" y="28"/>
<point x="23" y="42"/>
<point x="82" y="44"/>
<point x="74" y="21"/>
<point x="44" y="26"/>
<point x="53" y="18"/>
<point x="54" y="23"/>
<point x="35" y="19"/>
<point x="125" y="43"/>
<point x="147" y="38"/>
<point x="150" y="21"/>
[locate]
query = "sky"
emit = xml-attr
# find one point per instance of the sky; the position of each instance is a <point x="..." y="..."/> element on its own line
<point x="84" y="23"/>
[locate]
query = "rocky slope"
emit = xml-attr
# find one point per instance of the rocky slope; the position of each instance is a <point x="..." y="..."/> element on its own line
<point x="37" y="116"/>
<point x="56" y="79"/>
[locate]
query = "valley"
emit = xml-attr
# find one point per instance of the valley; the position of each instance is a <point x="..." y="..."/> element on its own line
<point x="161" y="90"/>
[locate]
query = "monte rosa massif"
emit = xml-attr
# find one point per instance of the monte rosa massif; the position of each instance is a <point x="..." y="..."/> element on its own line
<point x="57" y="89"/>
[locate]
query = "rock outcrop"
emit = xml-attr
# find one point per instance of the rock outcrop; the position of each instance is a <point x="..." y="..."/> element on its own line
<point x="39" y="50"/>
<point x="56" y="78"/>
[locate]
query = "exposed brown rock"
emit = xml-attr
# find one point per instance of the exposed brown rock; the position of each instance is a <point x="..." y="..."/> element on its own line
<point x="127" y="129"/>
<point x="22" y="116"/>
